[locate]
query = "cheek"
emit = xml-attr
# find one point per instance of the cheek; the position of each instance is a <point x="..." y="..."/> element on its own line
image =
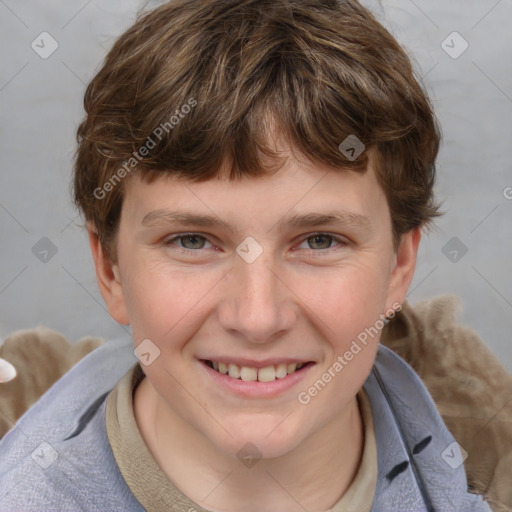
<point x="348" y="306"/>
<point x="163" y="304"/>
<point x="346" y="300"/>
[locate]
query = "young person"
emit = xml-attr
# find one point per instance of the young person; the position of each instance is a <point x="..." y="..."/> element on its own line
<point x="255" y="176"/>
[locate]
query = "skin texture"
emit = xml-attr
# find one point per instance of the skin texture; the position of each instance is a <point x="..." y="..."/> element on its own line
<point x="303" y="297"/>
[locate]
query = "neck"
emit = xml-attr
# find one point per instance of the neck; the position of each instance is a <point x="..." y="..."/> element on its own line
<point x="313" y="476"/>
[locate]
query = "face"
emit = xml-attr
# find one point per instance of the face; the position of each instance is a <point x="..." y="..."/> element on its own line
<point x="258" y="276"/>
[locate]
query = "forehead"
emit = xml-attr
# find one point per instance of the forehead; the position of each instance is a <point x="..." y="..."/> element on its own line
<point x="298" y="184"/>
<point x="298" y="194"/>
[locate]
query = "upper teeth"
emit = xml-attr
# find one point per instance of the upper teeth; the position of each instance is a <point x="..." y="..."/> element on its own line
<point x="267" y="374"/>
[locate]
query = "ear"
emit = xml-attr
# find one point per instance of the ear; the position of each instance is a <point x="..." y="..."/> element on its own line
<point x="404" y="266"/>
<point x="109" y="279"/>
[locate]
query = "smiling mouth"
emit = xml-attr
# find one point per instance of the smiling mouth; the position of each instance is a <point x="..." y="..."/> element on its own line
<point x="245" y="373"/>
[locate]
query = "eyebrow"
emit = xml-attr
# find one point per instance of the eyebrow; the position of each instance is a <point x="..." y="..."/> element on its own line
<point x="302" y="220"/>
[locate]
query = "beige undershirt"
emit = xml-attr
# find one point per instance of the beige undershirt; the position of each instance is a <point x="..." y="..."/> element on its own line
<point x="155" y="492"/>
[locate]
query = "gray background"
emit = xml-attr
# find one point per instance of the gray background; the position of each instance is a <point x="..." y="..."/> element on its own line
<point x="41" y="105"/>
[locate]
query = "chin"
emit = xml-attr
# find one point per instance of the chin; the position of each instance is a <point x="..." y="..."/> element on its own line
<point x="259" y="439"/>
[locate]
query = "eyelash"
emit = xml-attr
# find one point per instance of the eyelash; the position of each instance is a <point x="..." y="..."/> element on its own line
<point x="170" y="242"/>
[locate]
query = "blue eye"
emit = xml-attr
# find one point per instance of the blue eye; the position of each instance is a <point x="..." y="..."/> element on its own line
<point x="194" y="242"/>
<point x="324" y="241"/>
<point x="189" y="241"/>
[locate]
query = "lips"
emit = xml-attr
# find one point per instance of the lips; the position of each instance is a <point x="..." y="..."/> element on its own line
<point x="247" y="373"/>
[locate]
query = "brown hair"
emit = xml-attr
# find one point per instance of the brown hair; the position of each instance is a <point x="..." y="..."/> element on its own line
<point x="199" y="83"/>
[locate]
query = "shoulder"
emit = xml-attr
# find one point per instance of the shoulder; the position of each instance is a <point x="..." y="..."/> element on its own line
<point x="58" y="453"/>
<point x="40" y="356"/>
<point x="467" y="382"/>
<point x="419" y="461"/>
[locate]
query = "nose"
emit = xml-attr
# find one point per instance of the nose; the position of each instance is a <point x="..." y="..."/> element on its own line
<point x="257" y="305"/>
